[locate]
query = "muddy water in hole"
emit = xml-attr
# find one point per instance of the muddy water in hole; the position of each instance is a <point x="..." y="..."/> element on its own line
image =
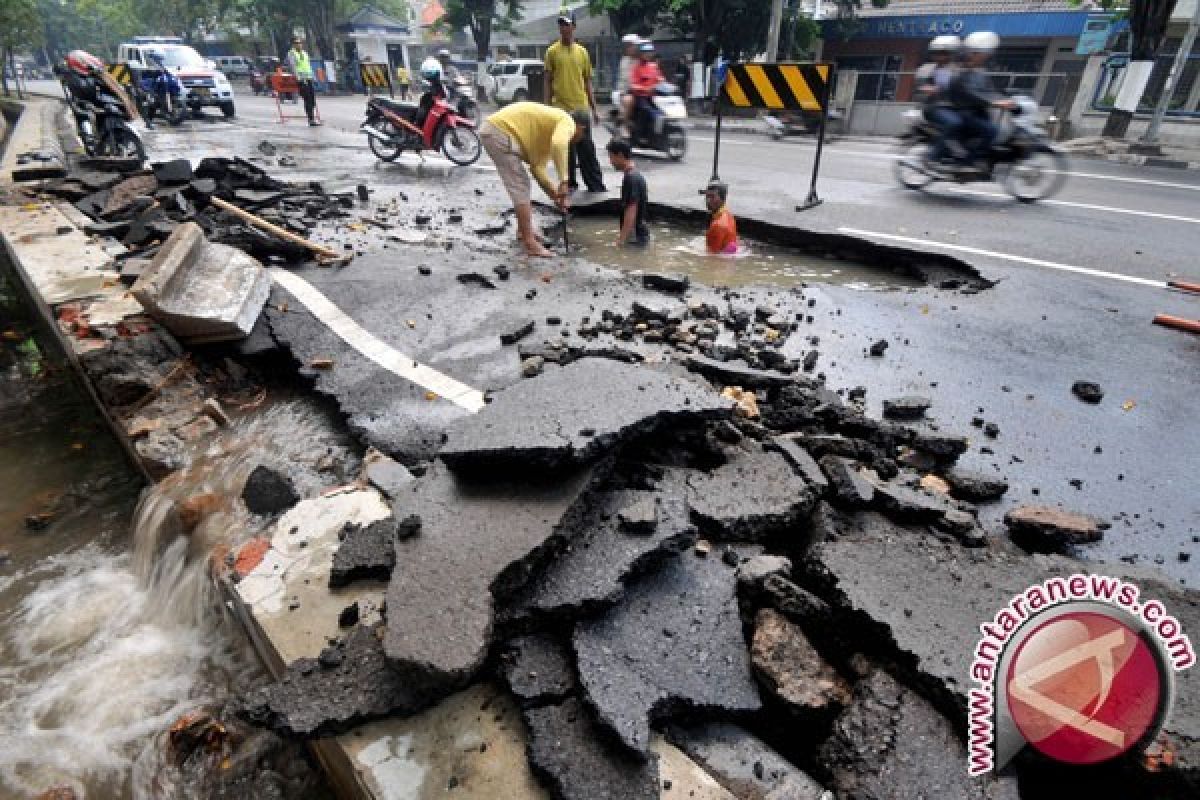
<point x="675" y="249"/>
<point x="109" y="624"/>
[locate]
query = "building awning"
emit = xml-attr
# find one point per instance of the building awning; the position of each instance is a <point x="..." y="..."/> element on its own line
<point x="1043" y="24"/>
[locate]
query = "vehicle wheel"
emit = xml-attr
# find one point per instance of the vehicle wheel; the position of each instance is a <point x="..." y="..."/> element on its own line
<point x="472" y="111"/>
<point x="908" y="169"/>
<point x="1039" y="175"/>
<point x="676" y="144"/>
<point x="461" y="145"/>
<point x="382" y="150"/>
<point x="121" y="143"/>
<point x="228" y="110"/>
<point x="520" y="96"/>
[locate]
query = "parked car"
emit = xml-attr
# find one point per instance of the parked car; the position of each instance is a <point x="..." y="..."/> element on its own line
<point x="204" y="84"/>
<point x="511" y="80"/>
<point x="234" y="66"/>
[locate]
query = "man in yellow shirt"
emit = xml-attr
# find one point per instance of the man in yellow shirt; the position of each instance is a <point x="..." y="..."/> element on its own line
<point x="402" y="81"/>
<point x="535" y="134"/>
<point x="568" y="84"/>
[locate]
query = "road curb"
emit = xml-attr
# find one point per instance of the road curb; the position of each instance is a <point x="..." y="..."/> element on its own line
<point x="34" y="151"/>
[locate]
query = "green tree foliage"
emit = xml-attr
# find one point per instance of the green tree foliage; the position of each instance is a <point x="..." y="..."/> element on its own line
<point x="481" y="17"/>
<point x="629" y="16"/>
<point x="20" y="29"/>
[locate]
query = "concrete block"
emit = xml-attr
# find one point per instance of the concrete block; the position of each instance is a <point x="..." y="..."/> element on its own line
<point x="203" y="291"/>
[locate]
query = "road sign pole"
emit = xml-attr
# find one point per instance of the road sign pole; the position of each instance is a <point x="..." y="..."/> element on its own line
<point x="716" y="178"/>
<point x="813" y="200"/>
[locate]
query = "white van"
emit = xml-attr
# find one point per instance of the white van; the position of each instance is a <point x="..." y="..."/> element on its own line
<point x="510" y="79"/>
<point x="204" y="84"/>
<point x="234" y="66"/>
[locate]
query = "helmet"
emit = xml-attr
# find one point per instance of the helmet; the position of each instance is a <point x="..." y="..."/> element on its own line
<point x="431" y="69"/>
<point x="443" y="53"/>
<point x="949" y="43"/>
<point x="631" y="38"/>
<point x="981" y="42"/>
<point x="83" y="62"/>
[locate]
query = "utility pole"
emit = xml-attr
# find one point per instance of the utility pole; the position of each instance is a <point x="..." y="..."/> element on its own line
<point x="775" y="29"/>
<point x="1177" y="68"/>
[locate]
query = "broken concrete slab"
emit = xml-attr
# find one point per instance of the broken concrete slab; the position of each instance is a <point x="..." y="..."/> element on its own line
<point x="366" y="553"/>
<point x="890" y="739"/>
<point x="753" y="496"/>
<point x="203" y="291"/>
<point x="602" y="557"/>
<point x="691" y="658"/>
<point x="1042" y="529"/>
<point x="573" y="415"/>
<point x="850" y="488"/>
<point x="791" y="669"/>
<point x="744" y="764"/>
<point x="729" y="373"/>
<point x="538" y="670"/>
<point x="478" y="542"/>
<point x="349" y="684"/>
<point x="573" y="758"/>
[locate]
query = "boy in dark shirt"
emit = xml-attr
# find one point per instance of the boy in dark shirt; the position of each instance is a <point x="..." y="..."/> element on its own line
<point x="634" y="195"/>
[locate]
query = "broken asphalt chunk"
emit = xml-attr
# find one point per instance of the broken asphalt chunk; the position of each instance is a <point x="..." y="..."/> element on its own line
<point x="673" y="645"/>
<point x="518" y="333"/>
<point x="791" y="669"/>
<point x="729" y="373"/>
<point x="752" y="496"/>
<point x="850" y="488"/>
<point x="479" y="542"/>
<point x="975" y="486"/>
<point x="744" y="764"/>
<point x="1042" y="529"/>
<point x="539" y="424"/>
<point x="268" y="491"/>
<point x="1088" y="391"/>
<point x="365" y="553"/>
<point x="571" y="755"/>
<point x="905" y="503"/>
<point x="173" y="172"/>
<point x="538" y="670"/>
<point x="804" y="464"/>
<point x="666" y="282"/>
<point x="908" y="407"/>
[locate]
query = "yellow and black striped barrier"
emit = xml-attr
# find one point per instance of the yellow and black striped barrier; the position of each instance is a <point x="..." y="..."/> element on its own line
<point x="121" y="73"/>
<point x="796" y="88"/>
<point x="376" y="76"/>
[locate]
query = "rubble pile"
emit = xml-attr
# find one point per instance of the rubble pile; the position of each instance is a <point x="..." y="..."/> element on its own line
<point x="628" y="551"/>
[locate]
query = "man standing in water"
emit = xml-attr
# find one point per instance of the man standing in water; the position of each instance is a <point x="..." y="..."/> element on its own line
<point x="634" y="195"/>
<point x="535" y="134"/>
<point x="568" y="85"/>
<point x="721" y="238"/>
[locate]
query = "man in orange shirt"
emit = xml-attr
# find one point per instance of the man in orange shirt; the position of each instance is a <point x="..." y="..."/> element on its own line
<point x="722" y="227"/>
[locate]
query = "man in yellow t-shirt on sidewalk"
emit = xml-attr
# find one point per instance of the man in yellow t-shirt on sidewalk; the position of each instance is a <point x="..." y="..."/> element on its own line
<point x="569" y="87"/>
<point x="534" y="134"/>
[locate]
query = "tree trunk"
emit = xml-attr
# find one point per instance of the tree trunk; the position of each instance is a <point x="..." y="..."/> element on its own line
<point x="4" y="72"/>
<point x="481" y="32"/>
<point x="1117" y="124"/>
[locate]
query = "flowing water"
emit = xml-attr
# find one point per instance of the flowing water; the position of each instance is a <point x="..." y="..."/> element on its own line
<point x="676" y="249"/>
<point x="110" y="627"/>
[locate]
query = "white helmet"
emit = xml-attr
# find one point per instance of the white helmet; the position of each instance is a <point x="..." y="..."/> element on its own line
<point x="631" y="38"/>
<point x="981" y="42"/>
<point x="948" y="43"/>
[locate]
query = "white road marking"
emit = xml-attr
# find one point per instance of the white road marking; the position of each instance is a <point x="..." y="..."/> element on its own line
<point x="1037" y="262"/>
<point x="1073" y="204"/>
<point x="375" y="349"/>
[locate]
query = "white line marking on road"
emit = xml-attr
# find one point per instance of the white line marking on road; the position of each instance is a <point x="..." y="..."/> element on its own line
<point x="375" y="349"/>
<point x="1089" y="206"/>
<point x="1037" y="262"/>
<point x="1122" y="179"/>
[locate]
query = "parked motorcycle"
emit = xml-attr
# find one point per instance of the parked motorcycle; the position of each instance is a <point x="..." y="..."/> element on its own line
<point x="160" y="92"/>
<point x="662" y="131"/>
<point x="1023" y="156"/>
<point x="433" y="124"/>
<point x="102" y="119"/>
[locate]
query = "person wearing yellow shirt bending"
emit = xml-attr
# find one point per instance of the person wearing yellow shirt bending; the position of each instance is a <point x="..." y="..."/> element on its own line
<point x="534" y="134"/>
<point x="568" y="85"/>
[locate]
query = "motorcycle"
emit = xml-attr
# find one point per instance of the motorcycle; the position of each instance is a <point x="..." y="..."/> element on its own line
<point x="102" y="122"/>
<point x="662" y="131"/>
<point x="787" y="123"/>
<point x="159" y="91"/>
<point x="1023" y="156"/>
<point x="433" y="124"/>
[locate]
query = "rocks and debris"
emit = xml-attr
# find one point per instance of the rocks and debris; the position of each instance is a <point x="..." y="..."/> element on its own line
<point x="532" y="366"/>
<point x="878" y="348"/>
<point x="475" y="279"/>
<point x="537" y="669"/>
<point x="364" y="553"/>
<point x="908" y="503"/>
<point x="743" y="764"/>
<point x="387" y="475"/>
<point x="539" y="424"/>
<point x="908" y="407"/>
<point x="692" y="657"/>
<point x="319" y="699"/>
<point x="804" y="464"/>
<point x="975" y="487"/>
<point x="268" y="491"/>
<point x="640" y="516"/>
<point x="755" y="570"/>
<point x="666" y="282"/>
<point x="1087" y="391"/>
<point x="569" y="752"/>
<point x="443" y="590"/>
<point x="731" y="374"/>
<point x="753" y="496"/>
<point x="791" y="669"/>
<point x="890" y="737"/>
<point x="518" y="333"/>
<point x="1042" y="529"/>
<point x="850" y="488"/>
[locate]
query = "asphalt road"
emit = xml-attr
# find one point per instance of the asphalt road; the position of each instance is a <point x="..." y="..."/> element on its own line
<point x="1078" y="282"/>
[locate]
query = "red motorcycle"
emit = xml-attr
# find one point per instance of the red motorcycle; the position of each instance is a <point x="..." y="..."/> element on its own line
<point x="432" y="124"/>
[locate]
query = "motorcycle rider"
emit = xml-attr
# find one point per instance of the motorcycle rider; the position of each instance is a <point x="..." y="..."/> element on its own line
<point x="973" y="96"/>
<point x="432" y="74"/>
<point x="80" y="76"/>
<point x="645" y="78"/>
<point x="932" y="90"/>
<point x="622" y="99"/>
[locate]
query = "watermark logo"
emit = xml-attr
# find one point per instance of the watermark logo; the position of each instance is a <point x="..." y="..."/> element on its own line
<point x="1078" y="668"/>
